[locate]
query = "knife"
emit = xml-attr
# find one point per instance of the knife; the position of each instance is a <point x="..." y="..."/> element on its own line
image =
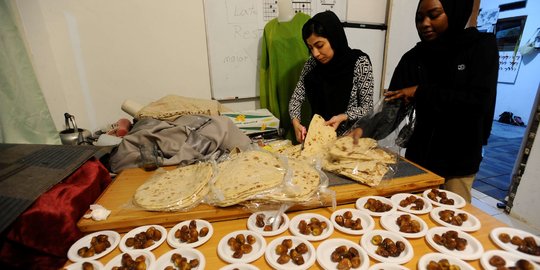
<point x="304" y="132"/>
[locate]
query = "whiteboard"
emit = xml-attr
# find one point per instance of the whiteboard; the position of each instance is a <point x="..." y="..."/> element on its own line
<point x="370" y="41"/>
<point x="367" y="11"/>
<point x="233" y="33"/>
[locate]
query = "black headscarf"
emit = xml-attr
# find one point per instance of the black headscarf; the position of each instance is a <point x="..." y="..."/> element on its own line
<point x="434" y="53"/>
<point x="328" y="86"/>
<point x="458" y="13"/>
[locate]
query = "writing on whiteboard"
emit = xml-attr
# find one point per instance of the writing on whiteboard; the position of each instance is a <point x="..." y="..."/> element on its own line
<point x="232" y="59"/>
<point x="241" y="11"/>
<point x="243" y="33"/>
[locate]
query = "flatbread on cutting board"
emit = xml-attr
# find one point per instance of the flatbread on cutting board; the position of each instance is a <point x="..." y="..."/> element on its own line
<point x="318" y="138"/>
<point x="363" y="162"/>
<point x="246" y="175"/>
<point x="305" y="180"/>
<point x="292" y="151"/>
<point x="175" y="189"/>
<point x="366" y="149"/>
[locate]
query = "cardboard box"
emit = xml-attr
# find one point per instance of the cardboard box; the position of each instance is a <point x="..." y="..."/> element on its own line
<point x="254" y="121"/>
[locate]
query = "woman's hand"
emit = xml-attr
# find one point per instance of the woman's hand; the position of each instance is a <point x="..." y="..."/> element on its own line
<point x="406" y="94"/>
<point x="299" y="130"/>
<point x="336" y="120"/>
<point x="356" y="134"/>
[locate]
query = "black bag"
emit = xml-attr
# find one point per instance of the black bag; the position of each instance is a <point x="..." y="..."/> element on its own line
<point x="406" y="131"/>
<point x="506" y="117"/>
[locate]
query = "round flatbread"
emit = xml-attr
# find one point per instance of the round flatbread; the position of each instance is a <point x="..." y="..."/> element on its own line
<point x="365" y="149"/>
<point x="246" y="175"/>
<point x="304" y="182"/>
<point x="318" y="138"/>
<point x="292" y="151"/>
<point x="175" y="189"/>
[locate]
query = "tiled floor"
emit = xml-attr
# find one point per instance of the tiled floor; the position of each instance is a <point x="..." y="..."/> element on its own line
<point x="489" y="205"/>
<point x="500" y="154"/>
<point x="494" y="178"/>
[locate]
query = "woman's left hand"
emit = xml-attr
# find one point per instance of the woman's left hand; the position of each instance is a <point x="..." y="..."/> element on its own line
<point x="406" y="94"/>
<point x="336" y="120"/>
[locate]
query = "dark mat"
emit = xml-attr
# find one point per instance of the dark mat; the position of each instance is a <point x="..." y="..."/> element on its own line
<point x="28" y="170"/>
<point x="403" y="169"/>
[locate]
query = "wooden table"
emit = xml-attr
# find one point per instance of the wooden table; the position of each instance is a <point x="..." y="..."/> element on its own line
<point x="125" y="216"/>
<point x="420" y="246"/>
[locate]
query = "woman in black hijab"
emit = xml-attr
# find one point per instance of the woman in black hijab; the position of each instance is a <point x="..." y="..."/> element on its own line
<point x="450" y="77"/>
<point x="336" y="80"/>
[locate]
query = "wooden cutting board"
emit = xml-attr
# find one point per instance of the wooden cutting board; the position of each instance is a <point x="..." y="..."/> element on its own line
<point x="126" y="216"/>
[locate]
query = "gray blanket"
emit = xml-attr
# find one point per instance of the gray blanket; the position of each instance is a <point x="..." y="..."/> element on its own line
<point x="183" y="141"/>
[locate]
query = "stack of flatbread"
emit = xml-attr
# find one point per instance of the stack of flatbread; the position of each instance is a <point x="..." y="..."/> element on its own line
<point x="303" y="184"/>
<point x="291" y="151"/>
<point x="318" y="138"/>
<point x="363" y="162"/>
<point x="178" y="189"/>
<point x="245" y="175"/>
<point x="171" y="107"/>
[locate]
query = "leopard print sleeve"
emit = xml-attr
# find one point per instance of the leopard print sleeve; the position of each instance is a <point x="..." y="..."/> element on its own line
<point x="299" y="95"/>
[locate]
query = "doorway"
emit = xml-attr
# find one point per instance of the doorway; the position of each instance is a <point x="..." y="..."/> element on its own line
<point x="495" y="174"/>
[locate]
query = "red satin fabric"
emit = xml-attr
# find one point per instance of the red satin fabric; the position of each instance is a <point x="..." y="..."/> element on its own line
<point x="42" y="235"/>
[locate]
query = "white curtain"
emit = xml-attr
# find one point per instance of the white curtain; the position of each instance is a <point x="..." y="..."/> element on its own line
<point x="24" y="115"/>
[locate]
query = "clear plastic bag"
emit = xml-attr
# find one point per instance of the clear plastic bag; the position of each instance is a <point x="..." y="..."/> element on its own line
<point x="242" y="175"/>
<point x="373" y="160"/>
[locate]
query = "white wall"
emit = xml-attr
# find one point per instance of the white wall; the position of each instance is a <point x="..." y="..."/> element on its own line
<point x="90" y="56"/>
<point x="518" y="97"/>
<point x="526" y="201"/>
<point x="402" y="35"/>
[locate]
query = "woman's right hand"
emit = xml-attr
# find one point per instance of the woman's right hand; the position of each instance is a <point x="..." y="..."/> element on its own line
<point x="299" y="130"/>
<point x="406" y="94"/>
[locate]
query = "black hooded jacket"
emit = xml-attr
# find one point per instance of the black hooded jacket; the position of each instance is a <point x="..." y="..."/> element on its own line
<point x="455" y="99"/>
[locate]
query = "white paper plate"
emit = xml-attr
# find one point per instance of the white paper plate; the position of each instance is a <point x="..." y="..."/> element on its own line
<point x="78" y="265"/>
<point x="424" y="261"/>
<point x="361" y="201"/>
<point x="271" y="256"/>
<point x="389" y="222"/>
<point x="189" y="253"/>
<point x="365" y="219"/>
<point x="327" y="247"/>
<point x="459" y="202"/>
<point x="472" y="251"/>
<point x="225" y="252"/>
<point x="293" y="226"/>
<point x="117" y="261"/>
<point x="472" y="224"/>
<point x="494" y="235"/>
<point x="137" y="230"/>
<point x="387" y="266"/>
<point x="509" y="258"/>
<point x="370" y="248"/>
<point x="175" y="242"/>
<point x="252" y="223"/>
<point x="114" y="239"/>
<point x="397" y="198"/>
<point x="239" y="266"/>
